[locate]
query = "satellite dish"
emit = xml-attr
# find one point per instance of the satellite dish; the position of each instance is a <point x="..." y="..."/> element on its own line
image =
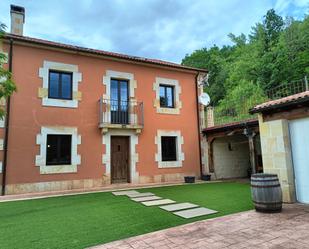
<point x="204" y="99"/>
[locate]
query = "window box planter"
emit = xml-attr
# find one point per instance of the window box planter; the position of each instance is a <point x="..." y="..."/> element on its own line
<point x="189" y="179"/>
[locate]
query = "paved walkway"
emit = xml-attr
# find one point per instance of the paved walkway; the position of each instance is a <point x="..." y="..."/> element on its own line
<point x="289" y="229"/>
<point x="185" y="209"/>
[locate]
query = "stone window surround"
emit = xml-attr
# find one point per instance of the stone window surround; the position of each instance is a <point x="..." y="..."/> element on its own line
<point x="179" y="142"/>
<point x="76" y="79"/>
<point x="106" y="158"/>
<point x="41" y="139"/>
<point x="110" y="74"/>
<point x="177" y="91"/>
<point x="2" y="122"/>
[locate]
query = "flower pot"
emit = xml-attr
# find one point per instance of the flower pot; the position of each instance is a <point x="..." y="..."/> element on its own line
<point x="206" y="177"/>
<point x="189" y="179"/>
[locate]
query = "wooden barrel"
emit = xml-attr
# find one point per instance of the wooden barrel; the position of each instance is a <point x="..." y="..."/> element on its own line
<point x="266" y="192"/>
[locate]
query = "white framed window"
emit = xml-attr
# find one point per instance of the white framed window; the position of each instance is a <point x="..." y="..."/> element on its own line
<point x="60" y="84"/>
<point x="169" y="149"/>
<point x="167" y="96"/>
<point x="58" y="150"/>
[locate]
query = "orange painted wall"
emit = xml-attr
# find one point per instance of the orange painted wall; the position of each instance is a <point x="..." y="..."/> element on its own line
<point x="28" y="115"/>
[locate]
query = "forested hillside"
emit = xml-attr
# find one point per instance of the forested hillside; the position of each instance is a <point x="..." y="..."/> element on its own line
<point x="275" y="52"/>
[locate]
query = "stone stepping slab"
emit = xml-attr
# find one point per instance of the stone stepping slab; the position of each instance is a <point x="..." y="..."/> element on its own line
<point x="146" y="198"/>
<point x="135" y="195"/>
<point x="195" y="212"/>
<point x="128" y="192"/>
<point x="157" y="202"/>
<point x="178" y="206"/>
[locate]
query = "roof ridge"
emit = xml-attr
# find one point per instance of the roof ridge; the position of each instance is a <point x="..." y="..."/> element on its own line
<point x="101" y="52"/>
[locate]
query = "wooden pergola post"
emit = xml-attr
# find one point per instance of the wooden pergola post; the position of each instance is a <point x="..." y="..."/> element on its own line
<point x="210" y="155"/>
<point x="252" y="152"/>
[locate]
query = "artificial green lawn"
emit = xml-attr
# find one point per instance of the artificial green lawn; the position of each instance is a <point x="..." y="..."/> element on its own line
<point x="84" y="220"/>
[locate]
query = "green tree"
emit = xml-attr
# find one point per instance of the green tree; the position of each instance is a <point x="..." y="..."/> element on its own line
<point x="7" y="86"/>
<point x="275" y="53"/>
<point x="273" y="25"/>
<point x="213" y="59"/>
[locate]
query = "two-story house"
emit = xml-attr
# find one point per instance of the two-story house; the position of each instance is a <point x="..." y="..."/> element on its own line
<point x="84" y="118"/>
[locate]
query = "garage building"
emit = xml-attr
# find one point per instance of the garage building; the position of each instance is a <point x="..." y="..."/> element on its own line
<point x="284" y="134"/>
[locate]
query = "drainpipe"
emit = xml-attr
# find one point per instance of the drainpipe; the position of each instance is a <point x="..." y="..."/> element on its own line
<point x="7" y="119"/>
<point x="198" y="125"/>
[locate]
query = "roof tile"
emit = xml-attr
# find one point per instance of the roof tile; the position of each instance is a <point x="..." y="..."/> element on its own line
<point x="100" y="52"/>
<point x="285" y="100"/>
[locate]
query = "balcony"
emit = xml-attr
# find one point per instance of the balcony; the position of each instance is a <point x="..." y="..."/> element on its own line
<point x="115" y="114"/>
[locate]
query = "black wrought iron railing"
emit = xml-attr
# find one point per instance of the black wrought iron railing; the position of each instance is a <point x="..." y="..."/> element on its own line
<point x="121" y="112"/>
<point x="238" y="110"/>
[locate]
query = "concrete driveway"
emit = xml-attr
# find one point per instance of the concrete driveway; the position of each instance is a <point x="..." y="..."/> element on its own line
<point x="289" y="229"/>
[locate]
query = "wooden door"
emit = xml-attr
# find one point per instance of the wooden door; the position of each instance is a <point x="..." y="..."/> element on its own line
<point x="120" y="159"/>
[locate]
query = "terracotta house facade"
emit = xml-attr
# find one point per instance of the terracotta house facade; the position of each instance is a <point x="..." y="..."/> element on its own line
<point x="85" y="118"/>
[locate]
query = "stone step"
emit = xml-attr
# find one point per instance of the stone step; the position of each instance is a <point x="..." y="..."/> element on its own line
<point x="157" y="202"/>
<point x="119" y="193"/>
<point x="195" y="212"/>
<point x="135" y="195"/>
<point x="178" y="206"/>
<point x="146" y="198"/>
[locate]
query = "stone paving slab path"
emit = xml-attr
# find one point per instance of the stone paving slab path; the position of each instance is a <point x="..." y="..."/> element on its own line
<point x="146" y="198"/>
<point x="195" y="212"/>
<point x="135" y="195"/>
<point x="178" y="206"/>
<point x="119" y="193"/>
<point x="289" y="229"/>
<point x="158" y="202"/>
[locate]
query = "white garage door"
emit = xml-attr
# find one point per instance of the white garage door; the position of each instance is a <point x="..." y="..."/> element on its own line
<point x="299" y="133"/>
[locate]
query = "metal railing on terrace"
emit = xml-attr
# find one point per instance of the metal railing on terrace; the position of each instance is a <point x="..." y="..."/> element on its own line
<point x="124" y="113"/>
<point x="238" y="111"/>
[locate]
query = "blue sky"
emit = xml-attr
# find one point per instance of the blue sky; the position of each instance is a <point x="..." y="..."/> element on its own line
<point x="162" y="29"/>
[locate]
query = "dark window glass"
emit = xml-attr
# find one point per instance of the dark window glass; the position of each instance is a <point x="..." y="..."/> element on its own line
<point x="124" y="95"/>
<point x="58" y="151"/>
<point x="168" y="148"/>
<point x="53" y="89"/>
<point x="166" y="96"/>
<point x="119" y="101"/>
<point x="66" y="86"/>
<point x="114" y="95"/>
<point x="60" y="85"/>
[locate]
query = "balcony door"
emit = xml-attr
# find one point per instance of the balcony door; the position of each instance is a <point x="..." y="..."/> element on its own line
<point x="119" y="101"/>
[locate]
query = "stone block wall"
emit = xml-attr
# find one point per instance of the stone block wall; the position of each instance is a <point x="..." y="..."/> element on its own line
<point x="231" y="157"/>
<point x="277" y="155"/>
